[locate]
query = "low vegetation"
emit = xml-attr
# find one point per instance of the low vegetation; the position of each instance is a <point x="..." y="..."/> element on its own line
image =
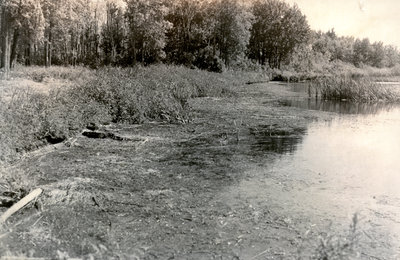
<point x="339" y="247"/>
<point x="363" y="89"/>
<point x="29" y="119"/>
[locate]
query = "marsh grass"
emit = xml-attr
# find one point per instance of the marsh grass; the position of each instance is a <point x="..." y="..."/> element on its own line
<point x="363" y="89"/>
<point x="43" y="74"/>
<point x="29" y="119"/>
<point x="339" y="247"/>
<point x="152" y="93"/>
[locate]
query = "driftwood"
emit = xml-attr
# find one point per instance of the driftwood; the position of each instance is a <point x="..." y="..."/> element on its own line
<point x="20" y="204"/>
<point x="102" y="135"/>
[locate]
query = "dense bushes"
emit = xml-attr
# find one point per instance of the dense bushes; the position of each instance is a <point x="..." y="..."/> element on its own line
<point x="29" y="119"/>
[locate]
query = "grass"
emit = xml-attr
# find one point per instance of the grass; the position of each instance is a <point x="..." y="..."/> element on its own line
<point x="334" y="247"/>
<point x="29" y="119"/>
<point x="334" y="69"/>
<point x="158" y="93"/>
<point x="43" y="74"/>
<point x="363" y="89"/>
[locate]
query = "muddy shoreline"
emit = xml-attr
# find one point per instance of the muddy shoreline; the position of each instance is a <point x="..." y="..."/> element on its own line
<point x="173" y="191"/>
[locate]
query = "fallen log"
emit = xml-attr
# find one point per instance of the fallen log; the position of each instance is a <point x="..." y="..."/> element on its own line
<point x="20" y="204"/>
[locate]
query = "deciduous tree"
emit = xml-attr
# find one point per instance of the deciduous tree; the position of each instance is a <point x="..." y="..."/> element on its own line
<point x="277" y="30"/>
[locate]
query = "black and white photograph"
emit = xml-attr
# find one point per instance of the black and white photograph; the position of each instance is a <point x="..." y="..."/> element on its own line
<point x="199" y="129"/>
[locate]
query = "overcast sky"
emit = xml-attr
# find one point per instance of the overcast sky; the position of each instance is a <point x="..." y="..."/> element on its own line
<point x="379" y="20"/>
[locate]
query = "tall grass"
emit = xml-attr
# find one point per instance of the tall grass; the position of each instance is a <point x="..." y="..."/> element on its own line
<point x="29" y="119"/>
<point x="43" y="74"/>
<point x="151" y="93"/>
<point x="362" y="89"/>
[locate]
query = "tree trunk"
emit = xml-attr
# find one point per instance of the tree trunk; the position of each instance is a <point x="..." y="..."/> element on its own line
<point x="5" y="42"/>
<point x="28" y="57"/>
<point x="46" y="54"/>
<point x="14" y="47"/>
<point x="134" y="52"/>
<point x="47" y="48"/>
<point x="50" y="48"/>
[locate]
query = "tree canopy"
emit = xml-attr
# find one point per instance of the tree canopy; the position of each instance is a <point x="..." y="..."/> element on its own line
<point x="208" y="34"/>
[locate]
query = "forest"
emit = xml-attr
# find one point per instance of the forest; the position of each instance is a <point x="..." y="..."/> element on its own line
<point x="213" y="35"/>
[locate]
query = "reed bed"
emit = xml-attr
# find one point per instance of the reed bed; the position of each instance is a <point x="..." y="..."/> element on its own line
<point x="362" y="89"/>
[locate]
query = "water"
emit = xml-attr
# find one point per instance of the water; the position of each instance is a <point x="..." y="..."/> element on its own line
<point x="360" y="151"/>
<point x="341" y="107"/>
<point x="348" y="165"/>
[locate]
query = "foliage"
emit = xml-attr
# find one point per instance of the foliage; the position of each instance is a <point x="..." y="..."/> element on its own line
<point x="29" y="119"/>
<point x="146" y="30"/>
<point x="277" y="30"/>
<point x="113" y="35"/>
<point x="214" y="35"/>
<point x="230" y="34"/>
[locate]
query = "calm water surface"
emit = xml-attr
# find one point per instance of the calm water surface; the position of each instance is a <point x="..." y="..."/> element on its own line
<point x="348" y="165"/>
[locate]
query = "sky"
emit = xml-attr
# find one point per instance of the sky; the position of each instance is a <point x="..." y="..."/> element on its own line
<point x="379" y="20"/>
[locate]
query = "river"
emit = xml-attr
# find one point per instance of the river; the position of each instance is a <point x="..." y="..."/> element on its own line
<point x="338" y="168"/>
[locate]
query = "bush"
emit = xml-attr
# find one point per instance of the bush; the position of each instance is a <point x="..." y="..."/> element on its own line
<point x="29" y="120"/>
<point x="150" y="93"/>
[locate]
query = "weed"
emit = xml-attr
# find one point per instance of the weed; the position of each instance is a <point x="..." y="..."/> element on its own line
<point x="333" y="247"/>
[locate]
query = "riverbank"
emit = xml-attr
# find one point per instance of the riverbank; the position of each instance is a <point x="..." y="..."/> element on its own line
<point x="156" y="193"/>
<point x="182" y="191"/>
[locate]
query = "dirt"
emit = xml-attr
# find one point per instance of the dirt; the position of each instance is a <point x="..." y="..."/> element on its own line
<point x="165" y="191"/>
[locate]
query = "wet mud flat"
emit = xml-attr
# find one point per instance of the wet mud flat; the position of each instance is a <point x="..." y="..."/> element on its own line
<point x="202" y="190"/>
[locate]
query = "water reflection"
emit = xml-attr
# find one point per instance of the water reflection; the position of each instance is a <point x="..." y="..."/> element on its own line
<point x="357" y="151"/>
<point x="341" y="107"/>
<point x="269" y="139"/>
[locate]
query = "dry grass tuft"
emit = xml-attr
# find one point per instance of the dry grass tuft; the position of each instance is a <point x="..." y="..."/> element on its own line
<point x="334" y="247"/>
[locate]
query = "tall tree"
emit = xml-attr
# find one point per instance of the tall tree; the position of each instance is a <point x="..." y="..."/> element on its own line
<point x="20" y="18"/>
<point x="113" y="35"/>
<point x="231" y="32"/>
<point x="362" y="52"/>
<point x="277" y="30"/>
<point x="186" y="37"/>
<point x="146" y="30"/>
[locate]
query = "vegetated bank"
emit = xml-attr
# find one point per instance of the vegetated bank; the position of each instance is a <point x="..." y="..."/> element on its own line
<point x="166" y="183"/>
<point x="72" y="97"/>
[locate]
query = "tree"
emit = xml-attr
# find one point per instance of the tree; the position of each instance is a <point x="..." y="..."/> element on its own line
<point x="189" y="32"/>
<point x="377" y="55"/>
<point x="277" y="30"/>
<point x="146" y="30"/>
<point x="231" y="29"/>
<point x="113" y="35"/>
<point x="392" y="56"/>
<point x="19" y="18"/>
<point x="362" y="51"/>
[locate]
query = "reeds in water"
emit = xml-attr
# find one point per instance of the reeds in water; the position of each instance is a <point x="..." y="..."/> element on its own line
<point x="361" y="89"/>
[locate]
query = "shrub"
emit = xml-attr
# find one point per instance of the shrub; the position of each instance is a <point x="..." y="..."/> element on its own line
<point x="29" y="120"/>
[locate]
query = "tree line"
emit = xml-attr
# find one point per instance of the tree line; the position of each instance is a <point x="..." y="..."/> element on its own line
<point x="207" y="34"/>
